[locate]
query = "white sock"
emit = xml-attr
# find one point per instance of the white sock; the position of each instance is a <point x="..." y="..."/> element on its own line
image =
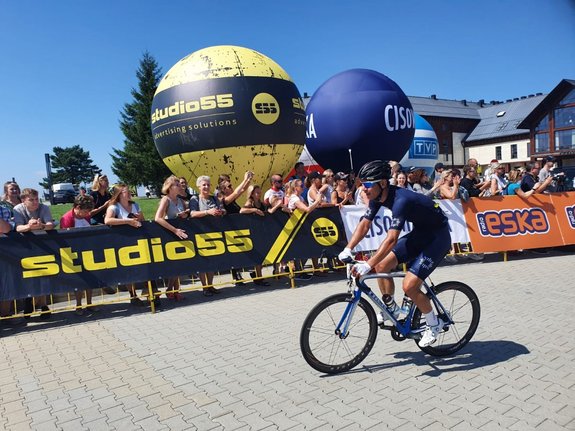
<point x="431" y="319"/>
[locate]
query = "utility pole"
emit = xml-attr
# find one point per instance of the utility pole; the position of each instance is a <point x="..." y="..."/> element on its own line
<point x="49" y="177"/>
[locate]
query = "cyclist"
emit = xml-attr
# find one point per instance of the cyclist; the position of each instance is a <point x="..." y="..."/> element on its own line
<point x="423" y="248"/>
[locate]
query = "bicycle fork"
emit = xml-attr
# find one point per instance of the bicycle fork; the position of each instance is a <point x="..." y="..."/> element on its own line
<point x="441" y="311"/>
<point x="348" y="315"/>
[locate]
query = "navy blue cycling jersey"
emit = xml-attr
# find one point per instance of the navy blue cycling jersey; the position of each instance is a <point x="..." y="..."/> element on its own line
<point x="406" y="205"/>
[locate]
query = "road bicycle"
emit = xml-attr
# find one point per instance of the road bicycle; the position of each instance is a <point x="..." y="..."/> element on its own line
<point x="340" y="331"/>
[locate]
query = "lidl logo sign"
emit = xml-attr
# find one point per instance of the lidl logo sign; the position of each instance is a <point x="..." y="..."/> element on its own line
<point x="512" y="222"/>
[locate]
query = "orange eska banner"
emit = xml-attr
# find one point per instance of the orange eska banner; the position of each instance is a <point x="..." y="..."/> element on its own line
<point x="511" y="223"/>
<point x="564" y="204"/>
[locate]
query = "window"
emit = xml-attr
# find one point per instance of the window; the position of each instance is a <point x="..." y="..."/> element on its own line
<point x="543" y="124"/>
<point x="498" y="153"/>
<point x="541" y="142"/>
<point x="513" y="151"/>
<point x="556" y="130"/>
<point x="564" y="117"/>
<point x="569" y="99"/>
<point x="565" y="139"/>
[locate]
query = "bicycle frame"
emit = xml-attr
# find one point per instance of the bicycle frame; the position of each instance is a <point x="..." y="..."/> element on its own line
<point x="403" y="326"/>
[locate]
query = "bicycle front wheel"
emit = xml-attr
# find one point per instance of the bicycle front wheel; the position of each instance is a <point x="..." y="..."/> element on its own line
<point x="462" y="305"/>
<point x="327" y="351"/>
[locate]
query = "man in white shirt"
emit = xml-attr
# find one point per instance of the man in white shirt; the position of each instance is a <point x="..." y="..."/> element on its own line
<point x="276" y="191"/>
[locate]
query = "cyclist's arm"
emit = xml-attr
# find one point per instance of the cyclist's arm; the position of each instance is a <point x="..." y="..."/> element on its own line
<point x="385" y="247"/>
<point x="360" y="231"/>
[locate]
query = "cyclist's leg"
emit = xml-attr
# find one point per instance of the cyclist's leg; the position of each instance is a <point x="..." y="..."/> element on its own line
<point x="411" y="287"/>
<point x="432" y="247"/>
<point x="389" y="262"/>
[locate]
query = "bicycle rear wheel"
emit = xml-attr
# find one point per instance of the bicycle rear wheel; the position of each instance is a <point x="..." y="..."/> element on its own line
<point x="325" y="350"/>
<point x="462" y="305"/>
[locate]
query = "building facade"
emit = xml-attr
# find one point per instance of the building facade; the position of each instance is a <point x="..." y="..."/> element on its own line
<point x="552" y="125"/>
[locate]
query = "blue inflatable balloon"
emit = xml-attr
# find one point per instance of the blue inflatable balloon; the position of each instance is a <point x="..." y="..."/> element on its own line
<point x="424" y="150"/>
<point x="357" y="116"/>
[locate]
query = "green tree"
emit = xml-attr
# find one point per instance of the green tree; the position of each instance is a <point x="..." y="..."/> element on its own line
<point x="139" y="163"/>
<point x="71" y="165"/>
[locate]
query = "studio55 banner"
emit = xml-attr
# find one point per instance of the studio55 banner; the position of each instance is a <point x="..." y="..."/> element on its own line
<point x="78" y="259"/>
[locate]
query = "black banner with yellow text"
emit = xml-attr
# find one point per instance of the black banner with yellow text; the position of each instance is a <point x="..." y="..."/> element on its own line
<point x="65" y="260"/>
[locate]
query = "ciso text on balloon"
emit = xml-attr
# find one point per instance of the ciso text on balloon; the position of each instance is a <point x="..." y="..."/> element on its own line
<point x="398" y="118"/>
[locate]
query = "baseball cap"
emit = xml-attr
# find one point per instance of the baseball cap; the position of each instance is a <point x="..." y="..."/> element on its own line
<point x="549" y="159"/>
<point x="314" y="175"/>
<point x="341" y="176"/>
<point x="439" y="166"/>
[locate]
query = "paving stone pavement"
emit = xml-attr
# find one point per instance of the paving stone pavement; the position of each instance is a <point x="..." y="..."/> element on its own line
<point x="233" y="363"/>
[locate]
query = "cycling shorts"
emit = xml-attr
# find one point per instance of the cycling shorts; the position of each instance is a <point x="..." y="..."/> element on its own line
<point x="423" y="250"/>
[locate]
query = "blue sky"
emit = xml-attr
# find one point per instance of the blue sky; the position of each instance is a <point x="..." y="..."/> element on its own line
<point x="67" y="67"/>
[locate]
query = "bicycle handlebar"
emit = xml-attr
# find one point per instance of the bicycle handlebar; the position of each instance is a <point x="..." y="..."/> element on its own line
<point x="386" y="275"/>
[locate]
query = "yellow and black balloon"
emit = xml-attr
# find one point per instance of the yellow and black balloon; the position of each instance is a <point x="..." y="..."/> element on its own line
<point x="226" y="110"/>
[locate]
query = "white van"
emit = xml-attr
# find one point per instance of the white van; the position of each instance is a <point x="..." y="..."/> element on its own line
<point x="63" y="186"/>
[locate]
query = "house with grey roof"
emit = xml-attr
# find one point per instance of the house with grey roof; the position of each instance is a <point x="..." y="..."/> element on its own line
<point x="514" y="132"/>
<point x="497" y="136"/>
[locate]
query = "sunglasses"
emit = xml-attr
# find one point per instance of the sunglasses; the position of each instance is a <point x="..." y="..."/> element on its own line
<point x="368" y="184"/>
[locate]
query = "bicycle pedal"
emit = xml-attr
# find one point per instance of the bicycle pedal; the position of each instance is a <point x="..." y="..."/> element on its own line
<point x="386" y="327"/>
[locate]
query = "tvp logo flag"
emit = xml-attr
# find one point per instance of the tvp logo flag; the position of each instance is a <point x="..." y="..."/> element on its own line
<point x="511" y="223"/>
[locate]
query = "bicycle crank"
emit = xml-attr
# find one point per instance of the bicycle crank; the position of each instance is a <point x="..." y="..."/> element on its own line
<point x="396" y="335"/>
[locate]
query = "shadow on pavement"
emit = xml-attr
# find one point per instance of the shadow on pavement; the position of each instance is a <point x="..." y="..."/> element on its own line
<point x="476" y="354"/>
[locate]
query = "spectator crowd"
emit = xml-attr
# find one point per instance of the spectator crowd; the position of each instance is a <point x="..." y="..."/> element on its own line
<point x="22" y="211"/>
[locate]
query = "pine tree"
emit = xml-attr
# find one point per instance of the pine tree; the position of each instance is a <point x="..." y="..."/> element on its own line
<point x="139" y="163"/>
<point x="71" y="165"/>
